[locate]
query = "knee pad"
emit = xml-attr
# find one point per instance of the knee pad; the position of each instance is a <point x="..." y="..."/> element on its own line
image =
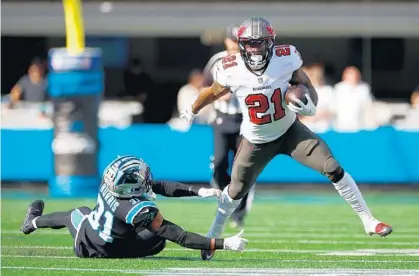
<point x="335" y="175"/>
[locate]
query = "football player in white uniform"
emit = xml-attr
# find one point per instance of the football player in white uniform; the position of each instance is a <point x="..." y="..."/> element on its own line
<point x="259" y="76"/>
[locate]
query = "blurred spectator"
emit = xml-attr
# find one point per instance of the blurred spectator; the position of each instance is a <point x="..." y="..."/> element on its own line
<point x="412" y="119"/>
<point x="32" y="87"/>
<point x="231" y="47"/>
<point x="137" y="81"/>
<point x="353" y="102"/>
<point x="323" y="118"/>
<point x="188" y="93"/>
<point x="414" y="99"/>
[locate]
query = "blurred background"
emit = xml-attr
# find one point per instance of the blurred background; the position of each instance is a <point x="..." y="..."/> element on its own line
<point x="362" y="56"/>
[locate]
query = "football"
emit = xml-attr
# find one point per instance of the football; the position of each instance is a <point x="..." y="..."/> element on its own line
<point x="296" y="92"/>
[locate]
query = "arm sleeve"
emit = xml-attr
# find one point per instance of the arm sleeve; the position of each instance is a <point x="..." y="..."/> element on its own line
<point x="174" y="189"/>
<point x="297" y="60"/>
<point x="175" y="233"/>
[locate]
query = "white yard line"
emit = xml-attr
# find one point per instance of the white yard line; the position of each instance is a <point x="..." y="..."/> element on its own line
<point x="267" y="234"/>
<point x="39" y="257"/>
<point x="172" y="249"/>
<point x="366" y="242"/>
<point x="332" y="253"/>
<point x="373" y="252"/>
<point x="231" y="271"/>
<point x="393" y="251"/>
<point x="73" y="269"/>
<point x="290" y="261"/>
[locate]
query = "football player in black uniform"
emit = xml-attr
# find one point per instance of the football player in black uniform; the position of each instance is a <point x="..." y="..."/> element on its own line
<point x="126" y="223"/>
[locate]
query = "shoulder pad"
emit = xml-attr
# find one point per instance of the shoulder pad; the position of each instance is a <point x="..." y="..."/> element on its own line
<point x="136" y="209"/>
<point x="145" y="217"/>
<point x="290" y="52"/>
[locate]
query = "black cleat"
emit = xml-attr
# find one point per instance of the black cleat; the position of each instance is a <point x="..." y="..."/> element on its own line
<point x="207" y="255"/>
<point x="34" y="210"/>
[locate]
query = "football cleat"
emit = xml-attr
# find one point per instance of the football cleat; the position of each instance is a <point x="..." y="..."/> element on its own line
<point x="207" y="255"/>
<point x="382" y="229"/>
<point x="34" y="210"/>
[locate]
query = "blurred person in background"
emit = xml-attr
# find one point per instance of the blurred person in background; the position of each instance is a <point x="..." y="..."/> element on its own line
<point x="138" y="83"/>
<point x="353" y="102"/>
<point x="227" y="129"/>
<point x="412" y="118"/>
<point x="322" y="120"/>
<point x="188" y="93"/>
<point x="32" y="87"/>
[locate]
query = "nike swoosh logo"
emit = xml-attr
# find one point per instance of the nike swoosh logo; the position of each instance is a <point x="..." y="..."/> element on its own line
<point x="144" y="211"/>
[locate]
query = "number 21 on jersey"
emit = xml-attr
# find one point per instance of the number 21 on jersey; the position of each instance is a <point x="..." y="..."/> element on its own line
<point x="260" y="103"/>
<point x="94" y="220"/>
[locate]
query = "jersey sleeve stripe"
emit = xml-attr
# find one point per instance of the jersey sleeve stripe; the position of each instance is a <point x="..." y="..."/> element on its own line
<point x="136" y="209"/>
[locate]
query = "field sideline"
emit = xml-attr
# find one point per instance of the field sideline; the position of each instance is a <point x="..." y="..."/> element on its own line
<point x="289" y="234"/>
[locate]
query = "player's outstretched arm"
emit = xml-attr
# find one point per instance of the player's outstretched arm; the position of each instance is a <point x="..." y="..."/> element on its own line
<point x="208" y="95"/>
<point x="300" y="77"/>
<point x="176" y="189"/>
<point x="154" y="221"/>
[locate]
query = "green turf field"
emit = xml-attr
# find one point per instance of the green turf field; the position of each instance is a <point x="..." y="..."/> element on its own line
<point x="289" y="235"/>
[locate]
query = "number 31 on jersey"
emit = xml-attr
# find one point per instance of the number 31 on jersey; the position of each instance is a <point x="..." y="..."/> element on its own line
<point x="259" y="104"/>
<point x="104" y="229"/>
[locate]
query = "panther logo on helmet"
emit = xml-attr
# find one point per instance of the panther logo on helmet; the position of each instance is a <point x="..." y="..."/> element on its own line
<point x="128" y="176"/>
<point x="256" y="39"/>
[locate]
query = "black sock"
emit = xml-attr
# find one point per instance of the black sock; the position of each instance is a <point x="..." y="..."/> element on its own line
<point x="55" y="220"/>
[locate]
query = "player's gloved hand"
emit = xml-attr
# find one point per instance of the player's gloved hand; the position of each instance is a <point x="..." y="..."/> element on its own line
<point x="188" y="115"/>
<point x="203" y="192"/>
<point x="235" y="243"/>
<point x="308" y="109"/>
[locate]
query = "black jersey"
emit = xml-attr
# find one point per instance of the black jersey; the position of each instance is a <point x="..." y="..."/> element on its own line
<point x="111" y="229"/>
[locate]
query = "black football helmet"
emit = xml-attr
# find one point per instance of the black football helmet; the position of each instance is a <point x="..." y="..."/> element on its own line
<point x="256" y="39"/>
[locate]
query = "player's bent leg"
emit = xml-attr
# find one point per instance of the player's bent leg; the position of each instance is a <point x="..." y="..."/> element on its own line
<point x="238" y="216"/>
<point x="249" y="161"/>
<point x="77" y="216"/>
<point x="349" y="190"/>
<point x="309" y="149"/>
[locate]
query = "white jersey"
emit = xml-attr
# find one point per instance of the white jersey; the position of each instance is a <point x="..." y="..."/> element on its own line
<point x="261" y="98"/>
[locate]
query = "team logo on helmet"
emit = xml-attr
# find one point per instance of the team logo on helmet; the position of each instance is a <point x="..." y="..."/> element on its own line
<point x="256" y="39"/>
<point x="128" y="176"/>
<point x="241" y="30"/>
